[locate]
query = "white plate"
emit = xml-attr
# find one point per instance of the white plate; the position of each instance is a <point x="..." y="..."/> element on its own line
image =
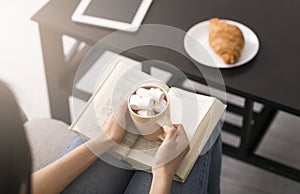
<point x="196" y="39"/>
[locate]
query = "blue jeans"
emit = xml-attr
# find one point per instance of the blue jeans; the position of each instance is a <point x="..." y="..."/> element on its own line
<point x="101" y="177"/>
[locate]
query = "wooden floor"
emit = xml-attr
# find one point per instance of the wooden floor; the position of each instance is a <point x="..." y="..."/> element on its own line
<point x="22" y="68"/>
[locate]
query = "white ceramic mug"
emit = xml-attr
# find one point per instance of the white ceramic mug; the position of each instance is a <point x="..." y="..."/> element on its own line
<point x="150" y="127"/>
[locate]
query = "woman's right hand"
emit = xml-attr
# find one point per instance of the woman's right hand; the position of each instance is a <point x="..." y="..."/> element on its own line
<point x="171" y="152"/>
<point x="168" y="157"/>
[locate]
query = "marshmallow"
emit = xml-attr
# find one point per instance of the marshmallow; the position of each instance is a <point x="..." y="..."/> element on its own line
<point x="133" y="102"/>
<point x="146" y="113"/>
<point x="157" y="94"/>
<point x="160" y="106"/>
<point x="138" y="103"/>
<point x="142" y="92"/>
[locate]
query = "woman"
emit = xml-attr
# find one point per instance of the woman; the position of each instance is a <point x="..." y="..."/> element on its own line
<point x="75" y="171"/>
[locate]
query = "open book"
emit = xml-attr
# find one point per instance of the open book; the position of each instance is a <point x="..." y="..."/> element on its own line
<point x="198" y="114"/>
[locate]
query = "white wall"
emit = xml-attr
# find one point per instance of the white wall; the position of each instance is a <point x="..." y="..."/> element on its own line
<point x="21" y="64"/>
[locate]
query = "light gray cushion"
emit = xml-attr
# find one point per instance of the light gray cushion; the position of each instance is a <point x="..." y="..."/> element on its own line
<point x="47" y="139"/>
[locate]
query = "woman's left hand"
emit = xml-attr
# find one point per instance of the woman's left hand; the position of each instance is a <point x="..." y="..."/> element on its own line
<point x="114" y="131"/>
<point x="114" y="128"/>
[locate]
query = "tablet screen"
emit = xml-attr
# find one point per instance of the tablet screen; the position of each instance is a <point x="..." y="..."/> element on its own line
<point x="118" y="10"/>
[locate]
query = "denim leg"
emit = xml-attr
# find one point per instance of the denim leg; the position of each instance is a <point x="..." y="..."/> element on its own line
<point x="197" y="181"/>
<point x="100" y="177"/>
<point x="215" y="168"/>
<point x="140" y="183"/>
<point x="74" y="144"/>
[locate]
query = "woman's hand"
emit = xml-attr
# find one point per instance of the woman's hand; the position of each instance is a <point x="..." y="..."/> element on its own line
<point x="171" y="152"/>
<point x="114" y="131"/>
<point x="173" y="149"/>
<point x="114" y="128"/>
<point x="112" y="134"/>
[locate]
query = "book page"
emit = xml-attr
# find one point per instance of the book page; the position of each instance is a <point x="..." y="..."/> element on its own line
<point x="121" y="151"/>
<point x="188" y="109"/>
<point x="203" y="132"/>
<point x="98" y="110"/>
<point x="91" y="125"/>
<point x="143" y="153"/>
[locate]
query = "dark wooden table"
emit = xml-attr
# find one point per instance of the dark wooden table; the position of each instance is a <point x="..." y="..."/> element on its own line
<point x="271" y="79"/>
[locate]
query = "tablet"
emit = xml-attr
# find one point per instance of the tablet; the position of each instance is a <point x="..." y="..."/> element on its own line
<point x="124" y="15"/>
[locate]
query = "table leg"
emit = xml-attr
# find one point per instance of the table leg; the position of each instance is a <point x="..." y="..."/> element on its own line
<point x="247" y="125"/>
<point x="55" y="68"/>
<point x="255" y="125"/>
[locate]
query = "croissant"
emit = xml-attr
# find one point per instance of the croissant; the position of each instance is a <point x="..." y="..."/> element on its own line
<point x="226" y="40"/>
